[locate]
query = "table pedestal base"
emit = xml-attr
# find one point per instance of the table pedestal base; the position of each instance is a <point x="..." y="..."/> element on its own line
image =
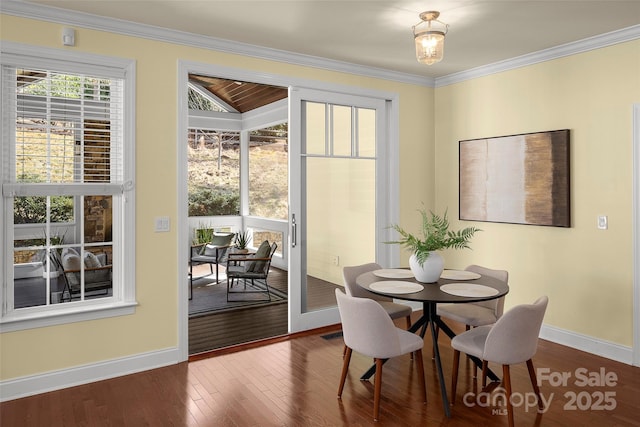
<point x="430" y="319"/>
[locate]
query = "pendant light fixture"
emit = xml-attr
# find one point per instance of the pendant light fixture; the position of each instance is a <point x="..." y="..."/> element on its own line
<point x="429" y="38"/>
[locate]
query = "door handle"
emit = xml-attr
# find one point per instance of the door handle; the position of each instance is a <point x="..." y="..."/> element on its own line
<point x="294" y="231"/>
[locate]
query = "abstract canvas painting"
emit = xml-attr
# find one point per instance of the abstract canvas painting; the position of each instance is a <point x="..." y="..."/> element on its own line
<point x="519" y="179"/>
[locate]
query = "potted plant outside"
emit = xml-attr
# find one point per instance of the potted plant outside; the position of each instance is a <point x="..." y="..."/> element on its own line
<point x="425" y="263"/>
<point x="203" y="234"/>
<point x="242" y="241"/>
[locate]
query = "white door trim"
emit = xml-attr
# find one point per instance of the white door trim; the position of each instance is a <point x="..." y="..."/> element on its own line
<point x="184" y="68"/>
<point x="636" y="234"/>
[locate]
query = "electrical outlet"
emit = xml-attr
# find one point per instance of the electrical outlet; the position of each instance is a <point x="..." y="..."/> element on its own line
<point x="335" y="260"/>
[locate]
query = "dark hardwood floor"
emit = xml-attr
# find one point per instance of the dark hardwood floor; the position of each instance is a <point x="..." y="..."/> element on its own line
<point x="293" y="382"/>
<point x="278" y="380"/>
<point x="231" y="327"/>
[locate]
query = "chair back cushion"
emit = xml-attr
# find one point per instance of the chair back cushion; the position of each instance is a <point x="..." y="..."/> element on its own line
<point x="367" y="328"/>
<point x="514" y="337"/>
<point x="497" y="305"/>
<point x="220" y="243"/>
<point x="67" y="251"/>
<point x="350" y="274"/>
<point x="91" y="260"/>
<point x="264" y="251"/>
<point x="71" y="261"/>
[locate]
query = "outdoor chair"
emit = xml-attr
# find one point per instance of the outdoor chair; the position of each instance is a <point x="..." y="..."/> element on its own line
<point x="252" y="268"/>
<point x="97" y="272"/>
<point x="214" y="252"/>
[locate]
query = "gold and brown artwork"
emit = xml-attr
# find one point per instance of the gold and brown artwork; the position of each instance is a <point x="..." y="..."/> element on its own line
<point x="520" y="179"/>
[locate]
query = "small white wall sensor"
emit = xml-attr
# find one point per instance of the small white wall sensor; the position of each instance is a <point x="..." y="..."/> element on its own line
<point x="68" y="37"/>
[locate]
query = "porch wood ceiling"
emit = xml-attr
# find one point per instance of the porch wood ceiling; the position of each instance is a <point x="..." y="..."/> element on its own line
<point x="242" y="96"/>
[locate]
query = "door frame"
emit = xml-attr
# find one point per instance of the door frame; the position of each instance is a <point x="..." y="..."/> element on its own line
<point x="387" y="254"/>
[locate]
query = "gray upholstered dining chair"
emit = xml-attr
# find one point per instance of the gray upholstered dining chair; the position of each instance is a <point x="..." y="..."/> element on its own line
<point x="394" y="310"/>
<point x="476" y="313"/>
<point x="368" y="329"/>
<point x="513" y="339"/>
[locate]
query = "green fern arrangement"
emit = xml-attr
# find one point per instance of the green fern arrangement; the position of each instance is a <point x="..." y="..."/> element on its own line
<point x="435" y="236"/>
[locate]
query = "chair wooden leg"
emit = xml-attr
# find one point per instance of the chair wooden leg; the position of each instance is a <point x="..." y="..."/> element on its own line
<point x="485" y="368"/>
<point x="454" y="375"/>
<point x="409" y="327"/>
<point x="534" y="383"/>
<point x="507" y="386"/>
<point x="345" y="369"/>
<point x="420" y="366"/>
<point x="475" y="370"/>
<point x="377" y="389"/>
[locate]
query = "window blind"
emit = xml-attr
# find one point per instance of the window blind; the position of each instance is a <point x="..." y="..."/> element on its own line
<point x="68" y="128"/>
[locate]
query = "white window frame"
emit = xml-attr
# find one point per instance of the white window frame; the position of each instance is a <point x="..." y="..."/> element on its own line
<point x="123" y="301"/>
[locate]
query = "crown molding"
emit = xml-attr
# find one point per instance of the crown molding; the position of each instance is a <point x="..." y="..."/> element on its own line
<point x="85" y="20"/>
<point x="94" y="22"/>
<point x="568" y="49"/>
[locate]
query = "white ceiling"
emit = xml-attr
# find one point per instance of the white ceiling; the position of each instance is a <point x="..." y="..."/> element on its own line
<point x="378" y="33"/>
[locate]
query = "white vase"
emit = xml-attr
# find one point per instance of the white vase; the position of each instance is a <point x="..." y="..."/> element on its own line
<point x="430" y="271"/>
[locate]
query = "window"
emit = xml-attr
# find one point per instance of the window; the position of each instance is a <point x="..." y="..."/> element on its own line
<point x="67" y="191"/>
<point x="214" y="172"/>
<point x="269" y="172"/>
<point x="201" y="99"/>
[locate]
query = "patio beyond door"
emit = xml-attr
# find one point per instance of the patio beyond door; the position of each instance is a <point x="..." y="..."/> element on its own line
<point x="334" y="145"/>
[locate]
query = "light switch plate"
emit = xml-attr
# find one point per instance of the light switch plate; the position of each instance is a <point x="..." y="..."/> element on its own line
<point x="163" y="224"/>
<point x="603" y="222"/>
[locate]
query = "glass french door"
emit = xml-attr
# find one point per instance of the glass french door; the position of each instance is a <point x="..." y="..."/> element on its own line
<point x="335" y="188"/>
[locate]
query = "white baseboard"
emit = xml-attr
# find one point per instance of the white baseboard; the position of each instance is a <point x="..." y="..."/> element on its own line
<point x="55" y="380"/>
<point x="588" y="344"/>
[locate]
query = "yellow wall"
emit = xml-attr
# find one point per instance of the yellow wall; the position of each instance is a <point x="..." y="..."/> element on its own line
<point x="586" y="272"/>
<point x="154" y="325"/>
